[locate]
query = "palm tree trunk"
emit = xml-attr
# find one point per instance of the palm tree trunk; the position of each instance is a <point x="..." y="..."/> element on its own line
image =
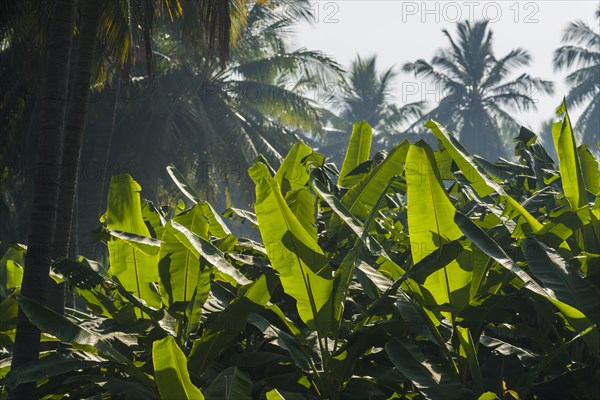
<point x="74" y="126"/>
<point x="480" y="135"/>
<point x="46" y="186"/>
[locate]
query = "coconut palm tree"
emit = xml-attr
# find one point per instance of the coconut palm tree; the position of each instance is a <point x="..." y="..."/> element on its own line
<point x="82" y="64"/>
<point x="367" y="95"/>
<point x="477" y="94"/>
<point x="582" y="50"/>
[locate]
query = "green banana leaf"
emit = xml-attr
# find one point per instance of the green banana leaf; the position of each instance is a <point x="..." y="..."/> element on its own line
<point x="293" y="174"/>
<point x="11" y="269"/>
<point x="290" y="342"/>
<point x="136" y="270"/>
<point x="555" y="274"/>
<point x="229" y="324"/>
<point x="146" y="245"/>
<point x="120" y="388"/>
<point x="431" y="225"/>
<point x="178" y="265"/>
<point x="47" y="367"/>
<point x="301" y="264"/>
<point x="589" y="169"/>
<point x="182" y="184"/>
<point x="93" y="282"/>
<point x="230" y="384"/>
<point x="429" y="380"/>
<point x="480" y="180"/>
<point x="218" y="228"/>
<point x="242" y="215"/>
<point x="576" y="318"/>
<point x="171" y="373"/>
<point x="80" y="273"/>
<point x="302" y="204"/>
<point x="274" y="395"/>
<point x="344" y="215"/>
<point x="201" y="247"/>
<point x="358" y="152"/>
<point x="8" y="312"/>
<point x="468" y="350"/>
<point x="361" y="199"/>
<point x="194" y="308"/>
<point x="528" y="380"/>
<point x="569" y="164"/>
<point x="77" y="334"/>
<point x="153" y="218"/>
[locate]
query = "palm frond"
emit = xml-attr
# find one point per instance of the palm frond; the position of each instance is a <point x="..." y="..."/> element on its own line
<point x="569" y="55"/>
<point x="422" y="68"/>
<point x="283" y="105"/>
<point x="446" y="64"/>
<point x="499" y="70"/>
<point x="588" y="123"/>
<point x="524" y="86"/>
<point x="216" y="17"/>
<point x="581" y="33"/>
<point x="300" y="64"/>
<point x="584" y="90"/>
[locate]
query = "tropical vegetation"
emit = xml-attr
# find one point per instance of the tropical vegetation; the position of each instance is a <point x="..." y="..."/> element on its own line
<point x="371" y="261"/>
<point x="423" y="274"/>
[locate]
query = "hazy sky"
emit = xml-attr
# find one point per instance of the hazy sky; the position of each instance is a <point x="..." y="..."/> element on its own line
<point x="402" y="31"/>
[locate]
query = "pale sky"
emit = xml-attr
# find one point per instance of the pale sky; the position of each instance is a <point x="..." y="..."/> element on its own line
<point x="402" y="31"/>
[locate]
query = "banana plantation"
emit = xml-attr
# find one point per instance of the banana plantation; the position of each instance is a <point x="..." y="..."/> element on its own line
<point x="181" y="220"/>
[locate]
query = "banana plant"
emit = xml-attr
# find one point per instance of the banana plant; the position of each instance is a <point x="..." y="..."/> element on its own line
<point x="414" y="273"/>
